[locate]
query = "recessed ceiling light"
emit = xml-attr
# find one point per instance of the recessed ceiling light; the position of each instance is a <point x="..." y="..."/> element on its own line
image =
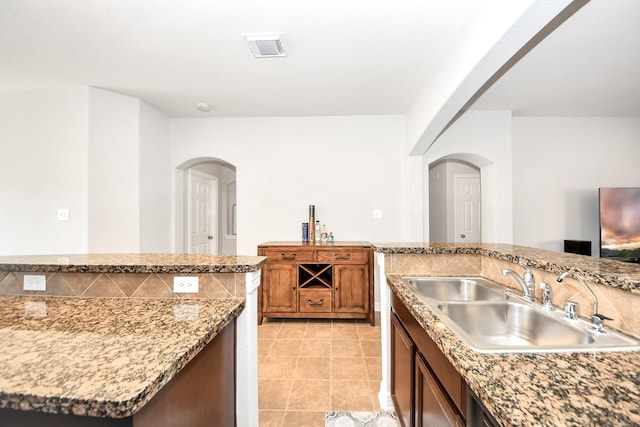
<point x="266" y="45"/>
<point x="204" y="107"/>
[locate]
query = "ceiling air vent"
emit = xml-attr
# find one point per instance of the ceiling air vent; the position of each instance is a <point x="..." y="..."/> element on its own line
<point x="266" y="45"/>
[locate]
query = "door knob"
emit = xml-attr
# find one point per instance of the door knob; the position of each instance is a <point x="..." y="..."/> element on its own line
<point x="463" y="236"/>
<point x="210" y="237"/>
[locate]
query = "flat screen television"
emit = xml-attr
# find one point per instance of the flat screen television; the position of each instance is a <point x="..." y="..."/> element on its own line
<point x="620" y="224"/>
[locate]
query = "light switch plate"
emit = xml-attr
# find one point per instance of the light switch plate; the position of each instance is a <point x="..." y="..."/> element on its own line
<point x="34" y="282"/>
<point x="63" y="214"/>
<point x="185" y="284"/>
<point x="377" y="214"/>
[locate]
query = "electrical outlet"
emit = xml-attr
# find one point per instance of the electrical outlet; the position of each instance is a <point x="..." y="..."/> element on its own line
<point x="377" y="214"/>
<point x="185" y="285"/>
<point x="34" y="282"/>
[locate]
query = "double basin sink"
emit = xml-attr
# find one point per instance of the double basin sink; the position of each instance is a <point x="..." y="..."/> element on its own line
<point x="490" y="320"/>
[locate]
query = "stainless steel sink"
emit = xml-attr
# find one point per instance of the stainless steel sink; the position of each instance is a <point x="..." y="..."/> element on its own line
<point x="455" y="288"/>
<point x="511" y="327"/>
<point x="490" y="320"/>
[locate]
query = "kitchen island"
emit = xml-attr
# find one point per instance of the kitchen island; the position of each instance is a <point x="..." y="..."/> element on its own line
<point x="542" y="389"/>
<point x="75" y="355"/>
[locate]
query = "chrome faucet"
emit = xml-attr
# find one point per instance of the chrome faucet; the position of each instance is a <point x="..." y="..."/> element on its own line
<point x="597" y="320"/>
<point x="526" y="282"/>
<point x="547" y="305"/>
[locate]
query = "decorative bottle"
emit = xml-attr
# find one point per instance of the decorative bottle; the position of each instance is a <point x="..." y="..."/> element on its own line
<point x="312" y="221"/>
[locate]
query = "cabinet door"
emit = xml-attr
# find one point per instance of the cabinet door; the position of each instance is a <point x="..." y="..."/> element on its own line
<point x="433" y="407"/>
<point x="351" y="284"/>
<point x="279" y="288"/>
<point x="402" y="351"/>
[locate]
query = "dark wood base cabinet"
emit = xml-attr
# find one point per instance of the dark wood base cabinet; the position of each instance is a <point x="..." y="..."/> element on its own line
<point x="425" y="388"/>
<point x="305" y="280"/>
<point x="202" y="394"/>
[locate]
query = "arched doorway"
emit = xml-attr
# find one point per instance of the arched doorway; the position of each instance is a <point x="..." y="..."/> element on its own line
<point x="206" y="207"/>
<point x="454" y="200"/>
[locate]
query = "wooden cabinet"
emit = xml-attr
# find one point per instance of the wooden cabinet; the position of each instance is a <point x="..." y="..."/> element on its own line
<point x="280" y="287"/>
<point x="425" y="388"/>
<point x="433" y="405"/>
<point x="350" y="294"/>
<point x="402" y="371"/>
<point x="333" y="280"/>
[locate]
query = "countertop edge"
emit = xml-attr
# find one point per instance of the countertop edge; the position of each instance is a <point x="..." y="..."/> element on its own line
<point x="131" y="406"/>
<point x="132" y="263"/>
<point x="614" y="274"/>
<point x="100" y="408"/>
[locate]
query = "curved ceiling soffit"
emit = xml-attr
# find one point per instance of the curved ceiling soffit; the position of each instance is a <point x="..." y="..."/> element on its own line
<point x="472" y="87"/>
<point x="197" y="160"/>
<point x="473" y="159"/>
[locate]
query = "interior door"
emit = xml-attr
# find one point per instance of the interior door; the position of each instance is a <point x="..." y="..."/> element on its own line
<point x="202" y="213"/>
<point x="467" y="209"/>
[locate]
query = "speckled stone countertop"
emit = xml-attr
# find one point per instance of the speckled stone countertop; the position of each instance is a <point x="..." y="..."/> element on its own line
<point x="132" y="263"/>
<point x="561" y="389"/>
<point x="616" y="274"/>
<point x="98" y="356"/>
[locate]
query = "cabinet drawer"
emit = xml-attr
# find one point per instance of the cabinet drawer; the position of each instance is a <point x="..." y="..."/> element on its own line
<point x="288" y="255"/>
<point x="315" y="300"/>
<point x="343" y="255"/>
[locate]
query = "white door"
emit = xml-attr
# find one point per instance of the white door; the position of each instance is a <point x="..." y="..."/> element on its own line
<point x="467" y="209"/>
<point x="202" y="211"/>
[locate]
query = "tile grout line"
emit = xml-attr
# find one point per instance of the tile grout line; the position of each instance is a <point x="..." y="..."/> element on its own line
<point x="286" y="406"/>
<point x="319" y="335"/>
<point x="330" y="367"/>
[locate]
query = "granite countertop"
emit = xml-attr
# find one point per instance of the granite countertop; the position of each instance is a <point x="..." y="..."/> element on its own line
<point x="132" y="263"/>
<point x="546" y="389"/>
<point x="99" y="356"/>
<point x="615" y="274"/>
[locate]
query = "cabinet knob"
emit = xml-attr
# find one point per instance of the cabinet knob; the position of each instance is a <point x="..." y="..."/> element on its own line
<point x="311" y="302"/>
<point x="347" y="256"/>
<point x="285" y="256"/>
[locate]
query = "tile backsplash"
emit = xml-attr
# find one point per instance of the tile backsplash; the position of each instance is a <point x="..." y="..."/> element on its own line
<point x="126" y="285"/>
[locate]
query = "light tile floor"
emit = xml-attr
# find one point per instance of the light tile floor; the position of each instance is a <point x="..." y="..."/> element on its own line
<point x="309" y="367"/>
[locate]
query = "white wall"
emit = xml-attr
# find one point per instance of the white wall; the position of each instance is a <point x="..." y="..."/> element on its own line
<point x="44" y="167"/>
<point x="482" y="138"/>
<point x="345" y="166"/>
<point x="114" y="179"/>
<point x="559" y="164"/>
<point x="99" y="154"/>
<point x="438" y="202"/>
<point x="155" y="201"/>
<point x="129" y="176"/>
